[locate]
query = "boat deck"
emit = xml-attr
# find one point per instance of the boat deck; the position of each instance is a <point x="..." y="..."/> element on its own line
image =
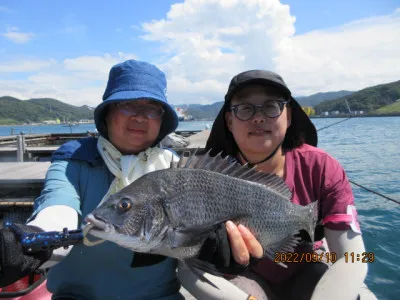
<point x="22" y="174"/>
<point x="198" y="140"/>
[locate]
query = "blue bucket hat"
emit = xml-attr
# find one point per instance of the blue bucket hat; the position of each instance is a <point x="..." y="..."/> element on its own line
<point x="134" y="80"/>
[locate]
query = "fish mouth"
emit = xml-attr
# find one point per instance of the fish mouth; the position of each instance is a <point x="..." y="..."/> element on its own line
<point x="101" y="229"/>
<point x="97" y="224"/>
<point x="104" y="231"/>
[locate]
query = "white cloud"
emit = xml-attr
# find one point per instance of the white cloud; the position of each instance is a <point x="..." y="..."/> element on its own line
<point x="30" y="65"/>
<point x="352" y="57"/>
<point x="95" y="67"/>
<point x="206" y="42"/>
<point x="77" y="81"/>
<point x="14" y="35"/>
<point x="60" y="88"/>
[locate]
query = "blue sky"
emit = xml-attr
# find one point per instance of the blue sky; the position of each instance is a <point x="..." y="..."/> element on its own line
<point x="64" y="51"/>
<point x="320" y="14"/>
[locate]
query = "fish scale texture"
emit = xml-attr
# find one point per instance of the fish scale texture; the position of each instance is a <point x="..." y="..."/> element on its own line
<point x="205" y="198"/>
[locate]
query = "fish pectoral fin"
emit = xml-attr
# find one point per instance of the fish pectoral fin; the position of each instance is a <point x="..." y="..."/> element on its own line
<point x="198" y="266"/>
<point x="194" y="235"/>
<point x="181" y="239"/>
<point x="288" y="244"/>
<point x="146" y="259"/>
<point x="187" y="237"/>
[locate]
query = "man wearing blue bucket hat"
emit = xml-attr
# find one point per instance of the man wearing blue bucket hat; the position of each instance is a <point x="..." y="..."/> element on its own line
<point x="132" y="119"/>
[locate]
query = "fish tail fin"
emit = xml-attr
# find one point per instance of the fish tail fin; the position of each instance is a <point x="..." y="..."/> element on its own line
<point x="311" y="221"/>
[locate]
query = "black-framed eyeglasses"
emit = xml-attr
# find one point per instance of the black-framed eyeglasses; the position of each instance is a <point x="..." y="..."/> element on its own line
<point x="271" y="109"/>
<point x="132" y="110"/>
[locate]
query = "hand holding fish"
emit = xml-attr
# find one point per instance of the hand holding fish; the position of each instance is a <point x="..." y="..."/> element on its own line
<point x="15" y="262"/>
<point x="243" y="243"/>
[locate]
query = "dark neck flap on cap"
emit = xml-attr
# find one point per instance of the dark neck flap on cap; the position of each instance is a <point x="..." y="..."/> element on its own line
<point x="301" y="130"/>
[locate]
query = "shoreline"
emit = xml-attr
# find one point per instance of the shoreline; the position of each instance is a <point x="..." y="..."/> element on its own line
<point x="354" y="116"/>
<point x="212" y="120"/>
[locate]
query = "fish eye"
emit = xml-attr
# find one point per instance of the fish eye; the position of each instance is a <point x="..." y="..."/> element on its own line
<point x="124" y="205"/>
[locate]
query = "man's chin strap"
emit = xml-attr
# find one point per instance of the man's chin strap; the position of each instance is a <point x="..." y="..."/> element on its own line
<point x="265" y="159"/>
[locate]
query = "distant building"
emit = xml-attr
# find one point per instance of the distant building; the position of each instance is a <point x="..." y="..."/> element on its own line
<point x="179" y="112"/>
<point x="188" y="118"/>
<point x="51" y="121"/>
<point x="86" y="121"/>
<point x="182" y="114"/>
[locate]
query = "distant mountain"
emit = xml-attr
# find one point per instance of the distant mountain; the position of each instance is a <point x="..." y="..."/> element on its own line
<point x="331" y="101"/>
<point x="202" y="112"/>
<point x="15" y="111"/>
<point x="366" y="100"/>
<point x="315" y="99"/>
<point x="210" y="111"/>
<point x="88" y="107"/>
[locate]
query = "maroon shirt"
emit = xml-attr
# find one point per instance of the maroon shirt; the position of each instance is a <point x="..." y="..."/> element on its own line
<point x="312" y="174"/>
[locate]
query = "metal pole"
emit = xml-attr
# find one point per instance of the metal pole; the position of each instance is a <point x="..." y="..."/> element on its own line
<point x="20" y="147"/>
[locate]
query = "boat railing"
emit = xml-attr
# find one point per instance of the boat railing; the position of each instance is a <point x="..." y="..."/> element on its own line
<point x="35" y="147"/>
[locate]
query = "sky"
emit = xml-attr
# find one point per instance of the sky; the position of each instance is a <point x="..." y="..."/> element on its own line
<point x="64" y="51"/>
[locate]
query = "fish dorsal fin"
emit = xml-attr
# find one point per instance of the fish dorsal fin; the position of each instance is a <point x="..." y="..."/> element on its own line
<point x="229" y="166"/>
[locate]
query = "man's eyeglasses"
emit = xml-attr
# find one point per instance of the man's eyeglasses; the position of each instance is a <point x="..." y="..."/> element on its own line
<point x="271" y="109"/>
<point x="131" y="110"/>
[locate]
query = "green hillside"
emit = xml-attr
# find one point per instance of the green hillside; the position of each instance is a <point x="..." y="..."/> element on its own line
<point x="316" y="99"/>
<point x="203" y="112"/>
<point x="367" y="100"/>
<point x="15" y="111"/>
<point x="391" y="109"/>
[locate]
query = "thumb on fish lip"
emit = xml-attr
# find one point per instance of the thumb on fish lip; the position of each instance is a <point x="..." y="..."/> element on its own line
<point x="88" y="218"/>
<point x="91" y="219"/>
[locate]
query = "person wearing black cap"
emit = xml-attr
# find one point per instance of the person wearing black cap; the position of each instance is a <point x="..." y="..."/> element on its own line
<point x="262" y="124"/>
